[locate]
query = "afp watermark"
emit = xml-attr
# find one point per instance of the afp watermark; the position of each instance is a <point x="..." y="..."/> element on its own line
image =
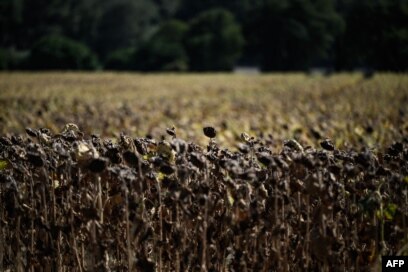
<point x="394" y="263"/>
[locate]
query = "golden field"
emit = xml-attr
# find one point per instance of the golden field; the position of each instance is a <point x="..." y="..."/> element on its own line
<point x="344" y="107"/>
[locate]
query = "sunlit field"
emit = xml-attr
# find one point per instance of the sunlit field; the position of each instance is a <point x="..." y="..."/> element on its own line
<point x="202" y="172"/>
<point x="346" y="108"/>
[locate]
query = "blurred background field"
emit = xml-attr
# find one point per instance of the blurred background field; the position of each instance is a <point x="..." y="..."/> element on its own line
<point x="349" y="108"/>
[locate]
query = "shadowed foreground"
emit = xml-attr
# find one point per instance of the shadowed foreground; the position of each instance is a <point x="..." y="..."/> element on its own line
<point x="78" y="202"/>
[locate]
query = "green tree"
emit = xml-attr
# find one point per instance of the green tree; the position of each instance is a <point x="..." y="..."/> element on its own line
<point x="11" y="59"/>
<point x="168" y="8"/>
<point x="125" y="24"/>
<point x="214" y="41"/>
<point x="189" y="9"/>
<point x="3" y="59"/>
<point x="376" y="35"/>
<point x="56" y="52"/>
<point x="11" y="15"/>
<point x="121" y="59"/>
<point x="164" y="50"/>
<point x="293" y="34"/>
<point x="82" y="20"/>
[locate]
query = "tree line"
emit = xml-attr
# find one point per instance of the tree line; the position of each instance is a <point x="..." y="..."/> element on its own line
<point x="203" y="35"/>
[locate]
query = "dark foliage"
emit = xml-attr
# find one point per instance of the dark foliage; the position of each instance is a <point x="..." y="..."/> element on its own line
<point x="293" y="34"/>
<point x="164" y="51"/>
<point x="214" y="41"/>
<point x="121" y="59"/>
<point x="376" y="35"/>
<point x="279" y="34"/>
<point x="60" y="53"/>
